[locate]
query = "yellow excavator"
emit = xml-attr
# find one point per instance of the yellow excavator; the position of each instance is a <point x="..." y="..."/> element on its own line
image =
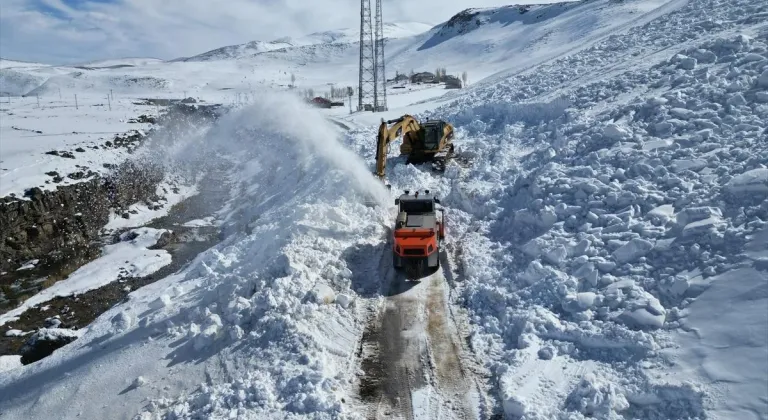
<point x="422" y="142"/>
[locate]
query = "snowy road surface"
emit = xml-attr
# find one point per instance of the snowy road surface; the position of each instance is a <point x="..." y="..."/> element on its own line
<point x="411" y="359"/>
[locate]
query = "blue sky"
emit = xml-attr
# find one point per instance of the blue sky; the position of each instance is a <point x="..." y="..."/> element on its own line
<point x="72" y="31"/>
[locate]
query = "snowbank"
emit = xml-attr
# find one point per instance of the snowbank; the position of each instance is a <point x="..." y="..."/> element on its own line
<point x="9" y="362"/>
<point x="724" y="342"/>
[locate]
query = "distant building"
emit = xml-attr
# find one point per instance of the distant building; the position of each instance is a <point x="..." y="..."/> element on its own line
<point x="400" y="78"/>
<point x="423" y="77"/>
<point x="452" y="82"/>
<point x="320" y="102"/>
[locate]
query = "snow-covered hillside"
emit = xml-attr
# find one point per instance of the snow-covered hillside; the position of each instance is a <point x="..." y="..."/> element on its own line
<point x="339" y="36"/>
<point x="482" y="42"/>
<point x="7" y="64"/>
<point x="120" y="62"/>
<point x="607" y="249"/>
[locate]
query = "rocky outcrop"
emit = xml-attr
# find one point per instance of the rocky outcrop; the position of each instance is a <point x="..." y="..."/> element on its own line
<point x="65" y="223"/>
<point x="43" y="342"/>
<point x="50" y="225"/>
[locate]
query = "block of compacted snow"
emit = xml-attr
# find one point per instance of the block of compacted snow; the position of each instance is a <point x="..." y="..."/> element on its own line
<point x="644" y="312"/>
<point x="632" y="250"/>
<point x="752" y="181"/>
<point x="762" y="81"/>
<point x="615" y="132"/>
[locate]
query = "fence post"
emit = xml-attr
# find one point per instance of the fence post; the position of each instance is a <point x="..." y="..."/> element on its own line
<point x="38" y="100"/>
<point x="109" y="102"/>
<point x="76" y="107"/>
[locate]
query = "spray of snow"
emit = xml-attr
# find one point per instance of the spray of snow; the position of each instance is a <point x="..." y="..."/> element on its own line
<point x="284" y="118"/>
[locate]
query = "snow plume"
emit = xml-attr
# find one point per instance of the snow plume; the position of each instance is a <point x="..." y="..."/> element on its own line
<point x="278" y="128"/>
<point x="282" y="123"/>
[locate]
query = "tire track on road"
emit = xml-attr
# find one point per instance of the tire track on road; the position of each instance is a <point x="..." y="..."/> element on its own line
<point x="410" y="355"/>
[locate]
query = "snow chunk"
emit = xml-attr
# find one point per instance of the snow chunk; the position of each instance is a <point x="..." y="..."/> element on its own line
<point x="546" y="353"/>
<point x="323" y="293"/>
<point x="160" y="303"/>
<point x="343" y="300"/>
<point x="737" y="99"/>
<point x="210" y="332"/>
<point x="702" y="226"/>
<point x="753" y="181"/>
<point x="615" y="132"/>
<point x="644" y="312"/>
<point x="14" y="333"/>
<point x="663" y="213"/>
<point x="122" y="321"/>
<point x="514" y="405"/>
<point x="139" y="381"/>
<point x="632" y="250"/>
<point x="579" y="302"/>
<point x="687" y="63"/>
<point x="762" y="81"/>
<point x="28" y="265"/>
<point x="597" y="397"/>
<point x="695" y="214"/>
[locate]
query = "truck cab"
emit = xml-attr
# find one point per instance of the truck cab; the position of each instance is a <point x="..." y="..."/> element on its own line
<point x="418" y="232"/>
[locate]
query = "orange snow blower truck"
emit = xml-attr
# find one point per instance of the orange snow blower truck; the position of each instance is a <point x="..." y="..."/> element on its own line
<point x="418" y="233"/>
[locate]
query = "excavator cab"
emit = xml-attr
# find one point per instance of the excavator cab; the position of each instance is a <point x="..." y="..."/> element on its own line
<point x="433" y="132"/>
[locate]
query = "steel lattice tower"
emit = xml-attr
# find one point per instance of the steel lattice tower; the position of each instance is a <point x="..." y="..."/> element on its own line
<point x="372" y="84"/>
<point x="367" y="83"/>
<point x="380" y="90"/>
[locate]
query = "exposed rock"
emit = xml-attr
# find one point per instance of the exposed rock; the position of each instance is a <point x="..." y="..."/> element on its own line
<point x="47" y="221"/>
<point x="44" y="342"/>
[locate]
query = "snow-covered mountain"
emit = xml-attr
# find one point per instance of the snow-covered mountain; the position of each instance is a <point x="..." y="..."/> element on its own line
<point x="482" y="42"/>
<point x="7" y="64"/>
<point x="607" y="242"/>
<point x="119" y="62"/>
<point x="340" y="36"/>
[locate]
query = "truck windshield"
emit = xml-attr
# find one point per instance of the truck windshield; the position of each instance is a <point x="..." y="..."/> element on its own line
<point x="416" y="206"/>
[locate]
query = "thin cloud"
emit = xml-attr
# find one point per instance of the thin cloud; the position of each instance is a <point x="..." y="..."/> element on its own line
<point x="71" y="31"/>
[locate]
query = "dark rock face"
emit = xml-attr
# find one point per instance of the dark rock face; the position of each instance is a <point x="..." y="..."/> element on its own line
<point x="71" y="217"/>
<point x="44" y="342"/>
<point x="52" y="226"/>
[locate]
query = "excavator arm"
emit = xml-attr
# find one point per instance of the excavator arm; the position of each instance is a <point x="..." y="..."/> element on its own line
<point x="400" y="127"/>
